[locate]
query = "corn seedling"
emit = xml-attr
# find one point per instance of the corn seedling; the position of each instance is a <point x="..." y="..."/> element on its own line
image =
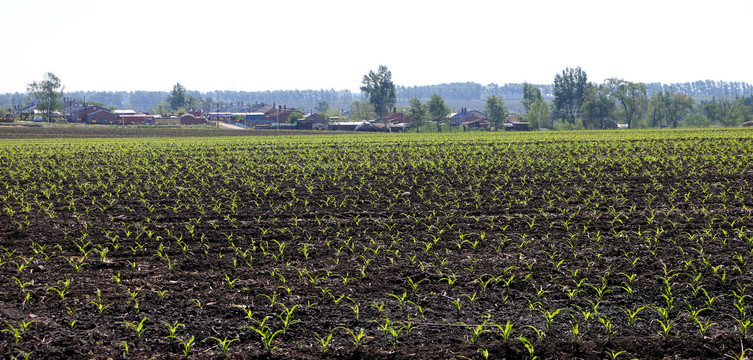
<point x="529" y="347"/>
<point x="358" y="337"/>
<point x="612" y="355"/>
<point x="187" y="344"/>
<point x="136" y="326"/>
<point x="549" y="316"/>
<point x="324" y="341"/>
<point x="476" y="331"/>
<point x="172" y="329"/>
<point x="505" y="332"/>
<point x="265" y="333"/>
<point x="286" y="316"/>
<point x="224" y="344"/>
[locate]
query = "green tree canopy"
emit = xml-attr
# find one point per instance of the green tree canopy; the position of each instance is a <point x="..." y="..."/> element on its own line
<point x="46" y="93"/>
<point x="177" y="98"/>
<point x="438" y="111"/>
<point x="531" y="93"/>
<point x="295" y="116"/>
<point x="655" y="113"/>
<point x="676" y="104"/>
<point x="726" y="112"/>
<point x="322" y="106"/>
<point x="417" y="112"/>
<point x="380" y="89"/>
<point x="538" y="113"/>
<point x="361" y="110"/>
<point x="632" y="98"/>
<point x="598" y="106"/>
<point x="496" y="111"/>
<point x="569" y="93"/>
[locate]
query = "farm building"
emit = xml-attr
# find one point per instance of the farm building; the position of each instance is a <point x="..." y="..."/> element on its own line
<point x="124" y="112"/>
<point x="516" y="126"/>
<point x="346" y="126"/>
<point x="92" y="114"/>
<point x="281" y="114"/>
<point x="166" y="121"/>
<point x="135" y="119"/>
<point x="247" y="118"/>
<point x="312" y="121"/>
<point x="469" y="117"/>
<point x="395" y="118"/>
<point x="189" y="119"/>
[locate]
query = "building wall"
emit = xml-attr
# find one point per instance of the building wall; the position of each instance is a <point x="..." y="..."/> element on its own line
<point x="166" y="121"/>
<point x="100" y="117"/>
<point x="193" y="121"/>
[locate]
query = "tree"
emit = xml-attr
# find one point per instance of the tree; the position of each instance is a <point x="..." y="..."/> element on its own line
<point x="656" y="109"/>
<point x="631" y="96"/>
<point x="322" y="106"/>
<point x="569" y="93"/>
<point x="531" y="93"/>
<point x="438" y="111"/>
<point x="726" y="112"/>
<point x="161" y="109"/>
<point x="741" y="114"/>
<point x="597" y="107"/>
<point x="676" y="104"/>
<point x="361" y="110"/>
<point x="496" y="111"/>
<point x="417" y="112"/>
<point x="294" y="117"/>
<point x="46" y="93"/>
<point x="712" y="111"/>
<point x="177" y="98"/>
<point x="380" y="90"/>
<point x="538" y="112"/>
<point x="696" y="120"/>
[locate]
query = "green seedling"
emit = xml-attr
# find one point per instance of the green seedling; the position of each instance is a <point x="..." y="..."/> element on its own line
<point x="266" y="334"/>
<point x="230" y="282"/>
<point x="358" y="337"/>
<point x="224" y="344"/>
<point x="324" y="341"/>
<point x="172" y="329"/>
<point x="529" y="348"/>
<point x="505" y="331"/>
<point x="136" y="326"/>
<point x="286" y="316"/>
<point x="186" y="343"/>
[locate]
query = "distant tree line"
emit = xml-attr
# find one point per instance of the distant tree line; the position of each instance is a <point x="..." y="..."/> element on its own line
<point x="590" y="103"/>
<point x="578" y="103"/>
<point x="150" y="100"/>
<point x="467" y="91"/>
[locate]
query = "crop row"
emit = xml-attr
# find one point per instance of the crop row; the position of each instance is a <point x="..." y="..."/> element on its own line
<point x="468" y="245"/>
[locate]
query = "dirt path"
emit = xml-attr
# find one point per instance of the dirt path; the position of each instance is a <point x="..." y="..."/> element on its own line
<point x="229" y="126"/>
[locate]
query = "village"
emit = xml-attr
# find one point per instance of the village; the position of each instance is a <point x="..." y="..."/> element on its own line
<point x="255" y="116"/>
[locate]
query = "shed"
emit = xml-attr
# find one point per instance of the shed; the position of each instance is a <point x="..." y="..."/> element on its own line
<point x="136" y="119"/>
<point x="516" y="126"/>
<point x="189" y="119"/>
<point x="311" y="121"/>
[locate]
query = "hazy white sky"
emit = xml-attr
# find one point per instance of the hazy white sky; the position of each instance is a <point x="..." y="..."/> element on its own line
<point x="291" y="44"/>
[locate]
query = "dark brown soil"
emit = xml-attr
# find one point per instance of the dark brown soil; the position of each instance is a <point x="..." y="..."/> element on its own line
<point x="429" y="239"/>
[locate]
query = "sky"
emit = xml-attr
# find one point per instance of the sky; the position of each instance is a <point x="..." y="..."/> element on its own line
<point x="117" y="45"/>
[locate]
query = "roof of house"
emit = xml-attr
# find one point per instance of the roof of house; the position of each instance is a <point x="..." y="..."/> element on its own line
<point x="467" y="112"/>
<point x="395" y="117"/>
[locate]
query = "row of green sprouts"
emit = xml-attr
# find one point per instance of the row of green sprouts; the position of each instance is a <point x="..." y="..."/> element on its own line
<point x="495" y="246"/>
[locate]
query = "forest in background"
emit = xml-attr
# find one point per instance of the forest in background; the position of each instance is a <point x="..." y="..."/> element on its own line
<point x="456" y="94"/>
